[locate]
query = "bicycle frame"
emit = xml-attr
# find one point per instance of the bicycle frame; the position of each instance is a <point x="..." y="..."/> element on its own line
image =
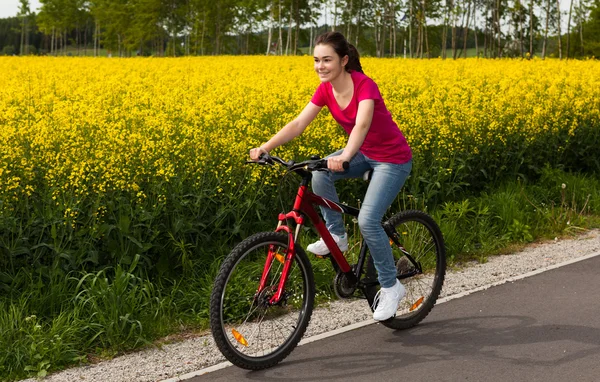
<point x="304" y="207"/>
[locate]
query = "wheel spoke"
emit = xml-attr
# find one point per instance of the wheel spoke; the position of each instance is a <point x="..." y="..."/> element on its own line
<point x="248" y="327"/>
<point x="421" y="239"/>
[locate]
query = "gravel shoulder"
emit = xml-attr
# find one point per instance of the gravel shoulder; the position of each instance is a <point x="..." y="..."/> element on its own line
<point x="192" y="354"/>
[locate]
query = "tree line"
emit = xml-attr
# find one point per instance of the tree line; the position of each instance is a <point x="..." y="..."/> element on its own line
<point x="381" y="28"/>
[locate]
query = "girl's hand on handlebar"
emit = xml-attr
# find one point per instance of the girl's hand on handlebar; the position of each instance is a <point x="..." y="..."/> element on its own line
<point x="336" y="163"/>
<point x="255" y="153"/>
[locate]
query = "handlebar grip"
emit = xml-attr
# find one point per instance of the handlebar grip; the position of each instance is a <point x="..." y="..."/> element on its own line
<point x="322" y="164"/>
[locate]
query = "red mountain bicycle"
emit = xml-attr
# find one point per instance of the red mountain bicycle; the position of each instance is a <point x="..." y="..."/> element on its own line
<point x="263" y="296"/>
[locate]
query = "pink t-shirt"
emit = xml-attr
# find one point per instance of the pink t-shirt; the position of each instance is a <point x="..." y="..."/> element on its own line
<point x="384" y="141"/>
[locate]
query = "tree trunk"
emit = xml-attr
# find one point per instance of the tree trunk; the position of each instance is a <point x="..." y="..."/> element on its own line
<point x="394" y="29"/>
<point x="383" y="31"/>
<point x="27" y="35"/>
<point x="520" y="29"/>
<point x="581" y="32"/>
<point x="349" y="26"/>
<point x="499" y="29"/>
<point x="530" y="28"/>
<point x="569" y="30"/>
<point x="486" y="34"/>
<point x="95" y="38"/>
<point x="269" y="38"/>
<point x="466" y="34"/>
<point x="358" y="21"/>
<point x="288" y="40"/>
<point x="270" y="30"/>
<point x="22" y="47"/>
<point x="203" y="33"/>
<point x="546" y="30"/>
<point x="335" y="13"/>
<point x="85" y="38"/>
<point x="475" y="32"/>
<point x="174" y="39"/>
<point x="310" y="42"/>
<point x="418" y="39"/>
<point x="378" y="28"/>
<point x="410" y="44"/>
<point x="445" y="31"/>
<point x="248" y="43"/>
<point x="462" y="28"/>
<point x="297" y="34"/>
<point x="196" y="33"/>
<point x="559" y="37"/>
<point x="280" y="38"/>
<point x="426" y="35"/>
<point x="453" y="32"/>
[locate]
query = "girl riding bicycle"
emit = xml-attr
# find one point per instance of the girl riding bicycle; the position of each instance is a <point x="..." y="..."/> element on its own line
<point x="375" y="143"/>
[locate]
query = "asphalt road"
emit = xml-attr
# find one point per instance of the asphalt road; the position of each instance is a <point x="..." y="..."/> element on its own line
<point x="542" y="328"/>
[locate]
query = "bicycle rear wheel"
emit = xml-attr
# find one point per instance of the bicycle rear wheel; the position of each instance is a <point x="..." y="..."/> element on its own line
<point x="420" y="238"/>
<point x="250" y="332"/>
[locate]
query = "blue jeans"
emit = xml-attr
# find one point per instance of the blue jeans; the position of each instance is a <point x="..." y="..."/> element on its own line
<point x="385" y="184"/>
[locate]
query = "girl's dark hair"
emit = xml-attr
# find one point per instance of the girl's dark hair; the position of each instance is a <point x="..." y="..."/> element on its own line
<point x="343" y="48"/>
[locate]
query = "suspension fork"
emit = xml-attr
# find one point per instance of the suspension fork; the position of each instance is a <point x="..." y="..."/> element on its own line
<point x="289" y="257"/>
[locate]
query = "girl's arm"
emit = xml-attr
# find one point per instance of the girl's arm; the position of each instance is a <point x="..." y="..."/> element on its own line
<point x="289" y="131"/>
<point x="364" y="116"/>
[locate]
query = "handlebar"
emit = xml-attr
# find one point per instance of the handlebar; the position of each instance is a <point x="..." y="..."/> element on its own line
<point x="313" y="164"/>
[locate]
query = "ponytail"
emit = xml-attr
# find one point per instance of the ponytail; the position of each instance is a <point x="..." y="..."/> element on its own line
<point x="353" y="60"/>
<point x="343" y="48"/>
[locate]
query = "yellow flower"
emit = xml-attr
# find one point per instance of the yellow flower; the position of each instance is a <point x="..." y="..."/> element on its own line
<point x="81" y="128"/>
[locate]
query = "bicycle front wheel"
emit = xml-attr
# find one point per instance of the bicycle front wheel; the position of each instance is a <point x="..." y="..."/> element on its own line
<point x="423" y="273"/>
<point x="250" y="332"/>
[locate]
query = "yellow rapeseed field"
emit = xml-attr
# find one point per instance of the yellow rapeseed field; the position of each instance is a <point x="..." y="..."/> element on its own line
<point x="79" y="128"/>
<point x="123" y="183"/>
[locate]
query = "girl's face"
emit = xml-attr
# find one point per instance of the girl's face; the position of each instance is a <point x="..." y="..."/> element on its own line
<point x="328" y="64"/>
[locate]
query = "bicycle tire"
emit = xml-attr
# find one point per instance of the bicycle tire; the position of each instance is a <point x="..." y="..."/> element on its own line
<point x="421" y="237"/>
<point x="235" y="289"/>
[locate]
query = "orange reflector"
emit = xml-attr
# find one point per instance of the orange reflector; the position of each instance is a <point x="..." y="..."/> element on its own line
<point x="417" y="304"/>
<point x="280" y="258"/>
<point x="239" y="338"/>
<point x="391" y="242"/>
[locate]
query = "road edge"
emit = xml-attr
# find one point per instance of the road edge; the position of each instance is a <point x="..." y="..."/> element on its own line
<point x="361" y="324"/>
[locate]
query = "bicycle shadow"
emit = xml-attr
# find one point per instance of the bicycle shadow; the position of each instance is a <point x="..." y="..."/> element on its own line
<point x="485" y="337"/>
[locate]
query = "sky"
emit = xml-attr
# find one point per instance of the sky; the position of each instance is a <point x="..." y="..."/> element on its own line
<point x="10" y="8"/>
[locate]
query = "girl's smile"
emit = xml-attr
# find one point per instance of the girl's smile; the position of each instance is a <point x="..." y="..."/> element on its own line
<point x="327" y="63"/>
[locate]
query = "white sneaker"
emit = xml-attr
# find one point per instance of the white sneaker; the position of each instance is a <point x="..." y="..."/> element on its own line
<point x="319" y="248"/>
<point x="387" y="300"/>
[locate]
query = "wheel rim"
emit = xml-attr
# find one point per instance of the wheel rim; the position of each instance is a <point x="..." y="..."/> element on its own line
<point x="252" y="327"/>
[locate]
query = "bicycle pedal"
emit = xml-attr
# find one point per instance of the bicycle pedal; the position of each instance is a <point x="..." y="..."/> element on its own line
<point x="326" y="256"/>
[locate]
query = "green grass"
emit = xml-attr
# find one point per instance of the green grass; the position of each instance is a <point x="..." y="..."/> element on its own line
<point x="471" y="52"/>
<point x="51" y="319"/>
<point x="89" y="52"/>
